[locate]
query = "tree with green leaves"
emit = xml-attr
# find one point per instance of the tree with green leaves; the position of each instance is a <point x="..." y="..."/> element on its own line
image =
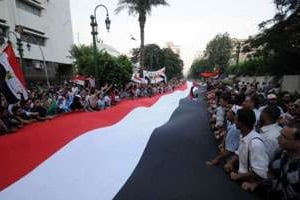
<point x="117" y="70"/>
<point x="218" y="50"/>
<point x="153" y="57"/>
<point x="279" y="44"/>
<point x="254" y="67"/>
<point x="83" y="59"/>
<point x="156" y="58"/>
<point x="199" y="66"/>
<point x="173" y="63"/>
<point x="217" y="55"/>
<point x="284" y="8"/>
<point x="142" y="8"/>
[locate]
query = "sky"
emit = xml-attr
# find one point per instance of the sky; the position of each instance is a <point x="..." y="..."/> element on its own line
<point x="191" y="24"/>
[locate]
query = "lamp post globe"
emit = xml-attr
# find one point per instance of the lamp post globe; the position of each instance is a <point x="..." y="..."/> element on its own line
<point x="107" y="23"/>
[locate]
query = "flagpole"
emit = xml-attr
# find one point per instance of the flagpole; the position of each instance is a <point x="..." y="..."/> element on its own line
<point x="21" y="50"/>
<point x="15" y="85"/>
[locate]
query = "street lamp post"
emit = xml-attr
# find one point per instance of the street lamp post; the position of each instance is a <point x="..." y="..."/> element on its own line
<point x="238" y="50"/>
<point x="44" y="61"/>
<point x="94" y="33"/>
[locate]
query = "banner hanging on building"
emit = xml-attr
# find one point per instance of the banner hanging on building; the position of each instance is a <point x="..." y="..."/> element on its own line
<point x="12" y="82"/>
<point x="155" y="76"/>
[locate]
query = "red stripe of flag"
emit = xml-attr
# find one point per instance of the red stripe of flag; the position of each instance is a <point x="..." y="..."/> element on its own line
<point x="12" y="59"/>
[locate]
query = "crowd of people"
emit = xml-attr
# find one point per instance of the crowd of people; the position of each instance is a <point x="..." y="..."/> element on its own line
<point x="257" y="129"/>
<point x="46" y="103"/>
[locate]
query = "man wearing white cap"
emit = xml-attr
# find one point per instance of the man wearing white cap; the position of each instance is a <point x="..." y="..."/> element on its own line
<point x="272" y="100"/>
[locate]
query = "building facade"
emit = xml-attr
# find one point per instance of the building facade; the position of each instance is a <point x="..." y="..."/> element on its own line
<point x="108" y="49"/>
<point x="45" y="29"/>
<point x="238" y="55"/>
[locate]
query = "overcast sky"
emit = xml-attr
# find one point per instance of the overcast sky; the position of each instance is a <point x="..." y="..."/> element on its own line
<point x="188" y="23"/>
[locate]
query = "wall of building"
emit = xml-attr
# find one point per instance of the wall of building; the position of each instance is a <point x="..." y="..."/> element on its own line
<point x="291" y="83"/>
<point x="237" y="43"/>
<point x="54" y="22"/>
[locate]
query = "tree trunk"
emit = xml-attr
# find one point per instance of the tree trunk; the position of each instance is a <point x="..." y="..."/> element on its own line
<point x="142" y="21"/>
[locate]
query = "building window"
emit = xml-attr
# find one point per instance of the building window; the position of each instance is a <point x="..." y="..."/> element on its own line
<point x="33" y="39"/>
<point x="29" y="7"/>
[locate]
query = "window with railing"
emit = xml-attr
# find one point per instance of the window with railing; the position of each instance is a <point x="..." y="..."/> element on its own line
<point x="33" y="39"/>
<point x="29" y="7"/>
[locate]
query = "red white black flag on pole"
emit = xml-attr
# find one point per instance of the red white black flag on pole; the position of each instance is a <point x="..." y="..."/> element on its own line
<point x="12" y="83"/>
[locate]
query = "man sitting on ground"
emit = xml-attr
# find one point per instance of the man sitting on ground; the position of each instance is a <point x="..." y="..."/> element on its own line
<point x="232" y="140"/>
<point x="22" y="117"/>
<point x="76" y="104"/>
<point x="218" y="127"/>
<point x="284" y="183"/>
<point x="252" y="155"/>
<point x="41" y="110"/>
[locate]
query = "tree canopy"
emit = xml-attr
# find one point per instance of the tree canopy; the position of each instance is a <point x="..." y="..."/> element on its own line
<point x="198" y="66"/>
<point x="217" y="55"/>
<point x="276" y="49"/>
<point x="117" y="70"/>
<point x="279" y="44"/>
<point x="156" y="58"/>
<point x="218" y="50"/>
<point x="254" y="67"/>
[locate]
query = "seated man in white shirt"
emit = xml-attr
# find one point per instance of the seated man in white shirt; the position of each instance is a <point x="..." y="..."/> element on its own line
<point x="251" y="155"/>
<point x="270" y="130"/>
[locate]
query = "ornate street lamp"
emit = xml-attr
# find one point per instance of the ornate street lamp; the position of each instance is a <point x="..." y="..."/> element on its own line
<point x="94" y="33"/>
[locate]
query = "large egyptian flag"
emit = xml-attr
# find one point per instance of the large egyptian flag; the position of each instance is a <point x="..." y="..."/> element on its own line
<point x="150" y="149"/>
<point x="12" y="83"/>
<point x="82" y="155"/>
